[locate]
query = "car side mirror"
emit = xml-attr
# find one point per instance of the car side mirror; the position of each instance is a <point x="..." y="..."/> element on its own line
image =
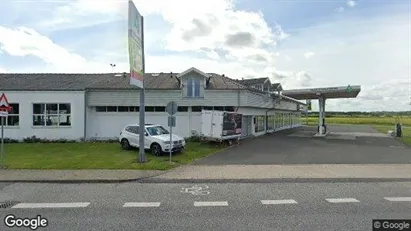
<point x="145" y="133"/>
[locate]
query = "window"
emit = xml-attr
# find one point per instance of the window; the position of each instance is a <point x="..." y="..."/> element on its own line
<point x="229" y="108"/>
<point x="52" y="114"/>
<point x="219" y="108"/>
<point x="196" y="109"/>
<point x="132" y="129"/>
<point x="259" y="123"/>
<point x="193" y="87"/>
<point x="158" y="130"/>
<point x="270" y="122"/>
<point x="149" y="109"/>
<point x="117" y="109"/>
<point x="13" y="117"/>
<point x="182" y="109"/>
<point x="160" y="109"/>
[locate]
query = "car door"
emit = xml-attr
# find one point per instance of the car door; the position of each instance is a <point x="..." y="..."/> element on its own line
<point x="133" y="135"/>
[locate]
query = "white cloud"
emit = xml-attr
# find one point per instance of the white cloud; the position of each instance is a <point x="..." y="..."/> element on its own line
<point x="340" y="9"/>
<point x="351" y="3"/>
<point x="308" y="55"/>
<point x="27" y="42"/>
<point x="2" y="70"/>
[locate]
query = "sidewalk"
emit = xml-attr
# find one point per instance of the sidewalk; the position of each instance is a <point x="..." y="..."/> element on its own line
<point x="76" y="176"/>
<point x="323" y="171"/>
<point x="217" y="173"/>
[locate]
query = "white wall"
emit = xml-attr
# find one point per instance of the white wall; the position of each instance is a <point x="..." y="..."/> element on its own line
<point x="25" y="99"/>
<point x="103" y="125"/>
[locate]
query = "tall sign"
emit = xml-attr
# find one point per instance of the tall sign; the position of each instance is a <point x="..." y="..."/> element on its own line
<point x="135" y="45"/>
<point x="4" y="111"/>
<point x="137" y="67"/>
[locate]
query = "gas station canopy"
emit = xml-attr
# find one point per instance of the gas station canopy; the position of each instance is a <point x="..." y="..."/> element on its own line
<point x="326" y="92"/>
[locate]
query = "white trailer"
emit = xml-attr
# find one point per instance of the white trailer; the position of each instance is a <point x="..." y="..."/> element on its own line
<point x="221" y="126"/>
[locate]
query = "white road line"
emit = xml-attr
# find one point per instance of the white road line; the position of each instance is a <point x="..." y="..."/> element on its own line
<point x="210" y="203"/>
<point x="141" y="204"/>
<point x="342" y="200"/>
<point x="278" y="202"/>
<point x="51" y="205"/>
<point x="398" y="198"/>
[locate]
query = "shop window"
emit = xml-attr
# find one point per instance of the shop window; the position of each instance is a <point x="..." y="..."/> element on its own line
<point x="196" y="109"/>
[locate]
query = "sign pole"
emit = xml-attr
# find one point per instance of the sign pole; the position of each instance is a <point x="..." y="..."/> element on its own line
<point x="2" y="142"/>
<point x="141" y="154"/>
<point x="171" y="142"/>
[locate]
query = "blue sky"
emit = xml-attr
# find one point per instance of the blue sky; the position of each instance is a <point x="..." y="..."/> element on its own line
<point x="309" y="43"/>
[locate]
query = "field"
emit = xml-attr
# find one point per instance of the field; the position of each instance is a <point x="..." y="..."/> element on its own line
<point x="95" y="156"/>
<point x="382" y="124"/>
<point x="405" y="121"/>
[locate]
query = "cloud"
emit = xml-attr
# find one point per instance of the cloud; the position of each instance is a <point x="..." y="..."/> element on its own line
<point x="28" y="42"/>
<point x="340" y="9"/>
<point x="2" y="70"/>
<point x="308" y="55"/>
<point x="292" y="80"/>
<point x="351" y="3"/>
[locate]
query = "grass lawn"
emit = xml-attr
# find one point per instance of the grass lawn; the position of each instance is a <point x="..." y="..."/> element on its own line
<point x="406" y="132"/>
<point x="406" y="121"/>
<point x="95" y="156"/>
<point x="382" y="124"/>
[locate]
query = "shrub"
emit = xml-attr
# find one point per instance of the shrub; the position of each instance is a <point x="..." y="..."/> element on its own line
<point x="9" y="141"/>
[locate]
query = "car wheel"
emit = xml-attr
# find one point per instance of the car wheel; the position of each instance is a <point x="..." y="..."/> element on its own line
<point x="125" y="144"/>
<point x="156" y="149"/>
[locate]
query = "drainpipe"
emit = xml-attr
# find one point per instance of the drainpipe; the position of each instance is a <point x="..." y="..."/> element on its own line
<point x="85" y="114"/>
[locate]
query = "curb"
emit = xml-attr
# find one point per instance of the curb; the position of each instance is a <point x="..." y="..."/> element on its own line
<point x="277" y="180"/>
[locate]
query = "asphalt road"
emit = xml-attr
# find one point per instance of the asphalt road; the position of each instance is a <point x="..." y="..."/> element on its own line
<point x="281" y="206"/>
<point x="280" y="148"/>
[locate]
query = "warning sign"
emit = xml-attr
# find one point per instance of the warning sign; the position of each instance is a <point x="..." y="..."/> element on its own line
<point x="4" y="105"/>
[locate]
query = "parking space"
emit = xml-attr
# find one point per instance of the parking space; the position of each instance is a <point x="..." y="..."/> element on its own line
<point x="282" y="148"/>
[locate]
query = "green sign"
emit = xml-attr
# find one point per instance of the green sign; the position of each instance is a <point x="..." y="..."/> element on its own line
<point x="348" y="89"/>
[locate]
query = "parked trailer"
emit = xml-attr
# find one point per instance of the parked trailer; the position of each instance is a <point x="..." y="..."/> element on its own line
<point x="221" y="126"/>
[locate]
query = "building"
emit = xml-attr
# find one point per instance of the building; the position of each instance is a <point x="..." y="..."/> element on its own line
<point x="98" y="106"/>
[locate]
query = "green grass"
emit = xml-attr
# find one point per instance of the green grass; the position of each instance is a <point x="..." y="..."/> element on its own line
<point x="406" y="121"/>
<point x="382" y="124"/>
<point x="406" y="132"/>
<point x="95" y="156"/>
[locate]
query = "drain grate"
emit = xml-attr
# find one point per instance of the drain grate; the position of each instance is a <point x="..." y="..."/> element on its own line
<point x="7" y="204"/>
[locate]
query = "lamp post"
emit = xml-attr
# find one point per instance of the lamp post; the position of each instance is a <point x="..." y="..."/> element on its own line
<point x="112" y="66"/>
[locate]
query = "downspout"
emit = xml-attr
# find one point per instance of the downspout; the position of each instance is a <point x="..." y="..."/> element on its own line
<point x="85" y="115"/>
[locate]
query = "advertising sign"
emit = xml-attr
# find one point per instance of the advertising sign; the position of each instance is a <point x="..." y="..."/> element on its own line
<point x="232" y="124"/>
<point x="135" y="45"/>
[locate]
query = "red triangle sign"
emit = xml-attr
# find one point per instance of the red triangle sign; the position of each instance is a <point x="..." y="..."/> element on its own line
<point x="4" y="103"/>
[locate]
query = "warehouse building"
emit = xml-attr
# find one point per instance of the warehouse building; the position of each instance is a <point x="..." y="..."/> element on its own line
<point x="98" y="106"/>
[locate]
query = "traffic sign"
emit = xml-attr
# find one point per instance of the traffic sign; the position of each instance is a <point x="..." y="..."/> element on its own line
<point x="348" y="89"/>
<point x="171" y="108"/>
<point x="4" y="103"/>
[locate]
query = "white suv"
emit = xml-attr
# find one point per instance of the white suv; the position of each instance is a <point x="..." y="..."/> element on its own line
<point x="157" y="139"/>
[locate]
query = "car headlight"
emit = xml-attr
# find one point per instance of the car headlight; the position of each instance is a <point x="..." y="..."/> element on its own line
<point x="167" y="142"/>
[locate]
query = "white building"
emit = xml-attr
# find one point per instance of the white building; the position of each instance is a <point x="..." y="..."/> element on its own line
<point x="98" y="106"/>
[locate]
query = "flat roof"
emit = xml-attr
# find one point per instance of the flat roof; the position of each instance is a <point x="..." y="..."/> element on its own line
<point x="326" y="92"/>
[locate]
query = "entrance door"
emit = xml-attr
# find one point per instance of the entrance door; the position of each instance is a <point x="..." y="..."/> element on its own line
<point x="246" y="126"/>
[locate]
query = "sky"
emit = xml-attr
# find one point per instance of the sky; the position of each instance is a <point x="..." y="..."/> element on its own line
<point x="298" y="43"/>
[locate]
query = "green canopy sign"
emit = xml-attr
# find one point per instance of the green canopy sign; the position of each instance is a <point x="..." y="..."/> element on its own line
<point x="348" y="89"/>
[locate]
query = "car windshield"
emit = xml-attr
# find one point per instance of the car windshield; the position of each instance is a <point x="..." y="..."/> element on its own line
<point x="157" y="130"/>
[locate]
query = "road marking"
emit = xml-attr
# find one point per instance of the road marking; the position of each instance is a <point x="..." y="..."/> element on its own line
<point x="196" y="190"/>
<point x="210" y="203"/>
<point x="278" y="202"/>
<point x="342" y="200"/>
<point x="398" y="198"/>
<point x="141" y="204"/>
<point x="51" y="205"/>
